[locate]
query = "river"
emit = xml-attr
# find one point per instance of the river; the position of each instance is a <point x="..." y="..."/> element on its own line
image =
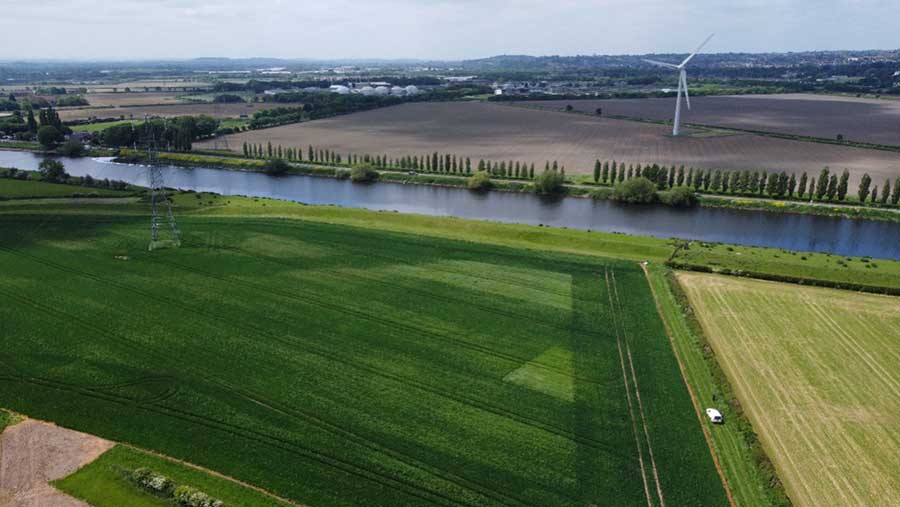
<point x="753" y="228"/>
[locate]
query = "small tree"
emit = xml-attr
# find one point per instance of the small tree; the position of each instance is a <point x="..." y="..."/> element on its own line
<point x="597" y="169"/>
<point x="885" y="191"/>
<point x="895" y="193"/>
<point x="53" y="170"/>
<point x="679" y="197"/>
<point x="605" y="175"/>
<point x="832" y="187"/>
<point x="363" y="173"/>
<point x="72" y="148"/>
<point x="801" y="189"/>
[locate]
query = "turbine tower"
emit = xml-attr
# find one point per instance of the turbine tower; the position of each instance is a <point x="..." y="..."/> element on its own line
<point x="682" y="83"/>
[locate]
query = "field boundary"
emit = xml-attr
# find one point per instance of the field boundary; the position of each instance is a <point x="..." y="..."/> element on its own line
<point x="694" y="400"/>
<point x="772" y="277"/>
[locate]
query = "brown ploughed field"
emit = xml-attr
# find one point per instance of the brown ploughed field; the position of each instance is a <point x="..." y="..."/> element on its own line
<point x="500" y="132"/>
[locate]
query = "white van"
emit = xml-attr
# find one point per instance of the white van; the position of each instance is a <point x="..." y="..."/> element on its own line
<point x="714" y="416"/>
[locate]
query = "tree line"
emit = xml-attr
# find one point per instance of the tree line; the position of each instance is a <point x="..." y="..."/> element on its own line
<point x="826" y="187"/>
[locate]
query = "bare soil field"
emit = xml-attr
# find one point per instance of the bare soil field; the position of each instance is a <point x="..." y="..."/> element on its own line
<point x="858" y="119"/>
<point x="166" y="110"/>
<point x="500" y="132"/>
<point x="32" y="453"/>
<point x="818" y="373"/>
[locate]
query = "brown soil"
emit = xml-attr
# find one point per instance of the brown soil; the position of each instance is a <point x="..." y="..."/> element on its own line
<point x="501" y="132"/>
<point x="32" y="453"/>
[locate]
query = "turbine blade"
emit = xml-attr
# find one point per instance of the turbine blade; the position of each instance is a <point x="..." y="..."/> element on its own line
<point x="687" y="96"/>
<point x="662" y="64"/>
<point x="686" y="60"/>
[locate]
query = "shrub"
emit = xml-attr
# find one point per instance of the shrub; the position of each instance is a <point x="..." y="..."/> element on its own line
<point x="363" y="173"/>
<point x="480" y="181"/>
<point x="72" y="148"/>
<point x="342" y="174"/>
<point x="679" y="197"/>
<point x="193" y="497"/>
<point x="153" y="482"/>
<point x="635" y="191"/>
<point x="550" y="182"/>
<point x="600" y="194"/>
<point x="53" y="170"/>
<point x="276" y="167"/>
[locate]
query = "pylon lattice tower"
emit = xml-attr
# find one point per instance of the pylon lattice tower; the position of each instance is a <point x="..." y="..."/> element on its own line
<point x="159" y="198"/>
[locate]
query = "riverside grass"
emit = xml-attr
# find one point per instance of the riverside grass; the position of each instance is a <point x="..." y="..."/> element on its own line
<point x="338" y="365"/>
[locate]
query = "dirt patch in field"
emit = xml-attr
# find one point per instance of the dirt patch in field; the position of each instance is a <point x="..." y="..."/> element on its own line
<point x="32" y="453"/>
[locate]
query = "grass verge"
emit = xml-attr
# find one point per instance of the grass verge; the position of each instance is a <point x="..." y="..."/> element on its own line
<point x="105" y="482"/>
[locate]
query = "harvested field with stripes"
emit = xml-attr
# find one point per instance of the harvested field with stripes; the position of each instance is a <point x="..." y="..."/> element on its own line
<point x="818" y="372"/>
<point x="338" y="366"/>
<point x="513" y="132"/>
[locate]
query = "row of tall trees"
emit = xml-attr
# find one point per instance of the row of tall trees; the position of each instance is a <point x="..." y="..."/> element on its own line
<point x="826" y="187"/>
<point x="431" y="163"/>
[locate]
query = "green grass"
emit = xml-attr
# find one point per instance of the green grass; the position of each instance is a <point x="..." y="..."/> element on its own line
<point x="343" y="365"/>
<point x="97" y="127"/>
<point x="749" y="481"/>
<point x="817" y="371"/>
<point x="8" y="418"/>
<point x="105" y="483"/>
<point x="26" y="189"/>
<point x="877" y="275"/>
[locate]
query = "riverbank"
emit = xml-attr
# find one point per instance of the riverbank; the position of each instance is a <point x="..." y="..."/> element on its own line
<point x="593" y="191"/>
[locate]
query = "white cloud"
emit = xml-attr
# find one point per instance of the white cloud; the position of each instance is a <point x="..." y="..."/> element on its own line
<point x="434" y="28"/>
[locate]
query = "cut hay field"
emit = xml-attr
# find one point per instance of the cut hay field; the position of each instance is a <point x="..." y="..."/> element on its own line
<point x="340" y="366"/>
<point x="858" y="119"/>
<point x="165" y="110"/>
<point x="504" y="132"/>
<point x="818" y="373"/>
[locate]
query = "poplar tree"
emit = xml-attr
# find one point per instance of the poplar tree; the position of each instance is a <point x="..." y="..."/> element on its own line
<point x="698" y="179"/>
<point x="864" y="184"/>
<point x="671" y="180"/>
<point x="822" y="184"/>
<point x="680" y="178"/>
<point x="874" y="194"/>
<point x="843" y="184"/>
<point x="791" y="185"/>
<point x="885" y="192"/>
<point x="734" y="181"/>
<point x="246" y="149"/>
<point x="717" y="181"/>
<point x="772" y="185"/>
<point x="832" y="187"/>
<point x="531" y="171"/>
<point x="690" y="177"/>
<point x="598" y="168"/>
<point x="612" y="174"/>
<point x="468" y="165"/>
<point x="895" y="194"/>
<point x="801" y="189"/>
<point x="706" y="179"/>
<point x="605" y="174"/>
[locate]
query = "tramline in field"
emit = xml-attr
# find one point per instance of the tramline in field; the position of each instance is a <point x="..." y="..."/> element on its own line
<point x="341" y="366"/>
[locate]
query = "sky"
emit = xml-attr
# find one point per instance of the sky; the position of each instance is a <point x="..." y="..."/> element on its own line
<point x="434" y="29"/>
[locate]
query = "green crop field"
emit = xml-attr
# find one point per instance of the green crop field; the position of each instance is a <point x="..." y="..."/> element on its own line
<point x="97" y="127"/>
<point x="818" y="373"/>
<point x="340" y="365"/>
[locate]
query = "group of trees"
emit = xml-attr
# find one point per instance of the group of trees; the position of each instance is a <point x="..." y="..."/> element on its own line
<point x="826" y="187"/>
<point x="55" y="171"/>
<point x="431" y="163"/>
<point x="176" y="133"/>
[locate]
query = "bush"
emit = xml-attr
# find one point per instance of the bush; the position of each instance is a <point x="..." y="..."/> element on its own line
<point x="193" y="497"/>
<point x="72" y="148"/>
<point x="480" y="181"/>
<point x="342" y="174"/>
<point x="363" y="173"/>
<point x="550" y="182"/>
<point x="153" y="482"/>
<point x="53" y="170"/>
<point x="679" y="197"/>
<point x="600" y="194"/>
<point x="635" y="191"/>
<point x="276" y="167"/>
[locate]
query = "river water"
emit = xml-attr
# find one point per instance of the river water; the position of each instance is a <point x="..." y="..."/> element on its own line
<point x="753" y="228"/>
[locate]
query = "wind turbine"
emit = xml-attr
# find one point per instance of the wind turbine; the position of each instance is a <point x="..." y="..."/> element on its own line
<point x="682" y="83"/>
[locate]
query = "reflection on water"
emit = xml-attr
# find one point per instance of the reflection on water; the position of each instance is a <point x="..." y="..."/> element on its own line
<point x="795" y="232"/>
